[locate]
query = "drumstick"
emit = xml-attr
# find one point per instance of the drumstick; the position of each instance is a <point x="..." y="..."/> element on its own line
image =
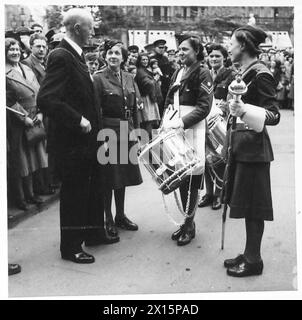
<point x="173" y="115"/>
<point x="15" y="111"/>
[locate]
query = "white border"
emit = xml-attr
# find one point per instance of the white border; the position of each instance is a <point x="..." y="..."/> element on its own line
<point x="298" y="173"/>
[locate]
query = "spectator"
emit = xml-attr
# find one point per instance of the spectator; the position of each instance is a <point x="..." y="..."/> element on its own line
<point x="92" y="62"/>
<point x="21" y="91"/>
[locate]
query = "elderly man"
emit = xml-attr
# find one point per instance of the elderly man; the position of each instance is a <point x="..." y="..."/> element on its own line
<point x="67" y="96"/>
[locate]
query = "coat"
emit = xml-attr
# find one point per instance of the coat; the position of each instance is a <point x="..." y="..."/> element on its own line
<point x="35" y="65"/>
<point x="196" y="89"/>
<point x="66" y="95"/>
<point x="118" y="103"/>
<point x="21" y="95"/>
<point x="222" y="82"/>
<point x="248" y="145"/>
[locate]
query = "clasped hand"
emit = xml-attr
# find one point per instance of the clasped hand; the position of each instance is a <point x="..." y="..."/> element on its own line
<point x="237" y="108"/>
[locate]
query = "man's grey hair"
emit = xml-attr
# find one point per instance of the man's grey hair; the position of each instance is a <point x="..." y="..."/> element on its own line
<point x="74" y="16"/>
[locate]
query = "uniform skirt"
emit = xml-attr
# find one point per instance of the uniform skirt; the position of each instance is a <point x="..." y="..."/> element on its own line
<point x="119" y="175"/>
<point x="251" y="195"/>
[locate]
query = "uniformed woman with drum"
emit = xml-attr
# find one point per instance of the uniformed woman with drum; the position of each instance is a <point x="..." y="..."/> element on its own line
<point x="191" y="90"/>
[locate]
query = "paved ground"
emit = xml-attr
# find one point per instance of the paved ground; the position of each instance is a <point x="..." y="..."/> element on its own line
<point x="147" y="261"/>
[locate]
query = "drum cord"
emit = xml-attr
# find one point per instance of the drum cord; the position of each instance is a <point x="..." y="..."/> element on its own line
<point x="179" y="205"/>
<point x="215" y="178"/>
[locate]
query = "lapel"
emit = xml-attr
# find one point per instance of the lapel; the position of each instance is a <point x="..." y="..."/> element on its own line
<point x="37" y="65"/>
<point x="16" y="76"/>
<point x="191" y="70"/>
<point x="113" y="79"/>
<point x="80" y="64"/>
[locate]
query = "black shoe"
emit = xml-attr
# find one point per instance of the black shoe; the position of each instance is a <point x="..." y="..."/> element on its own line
<point x="230" y="263"/>
<point x="125" y="223"/>
<point x="206" y="200"/>
<point x="104" y="239"/>
<point x="35" y="200"/>
<point x="177" y="233"/>
<point x="216" y="205"/>
<point x="80" y="257"/>
<point x="186" y="236"/>
<point x="111" y="229"/>
<point x="13" y="268"/>
<point x="246" y="269"/>
<point x="23" y="206"/>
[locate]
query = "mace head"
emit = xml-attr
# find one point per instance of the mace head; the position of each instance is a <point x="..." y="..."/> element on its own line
<point x="238" y="86"/>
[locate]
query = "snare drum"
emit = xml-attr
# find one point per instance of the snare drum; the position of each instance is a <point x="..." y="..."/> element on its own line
<point x="170" y="159"/>
<point x="215" y="139"/>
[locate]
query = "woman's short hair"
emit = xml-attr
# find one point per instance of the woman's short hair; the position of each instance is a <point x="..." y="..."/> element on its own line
<point x="251" y="38"/>
<point x="195" y="43"/>
<point x="110" y="43"/>
<point x="10" y="42"/>
<point x="139" y="59"/>
<point x="218" y="47"/>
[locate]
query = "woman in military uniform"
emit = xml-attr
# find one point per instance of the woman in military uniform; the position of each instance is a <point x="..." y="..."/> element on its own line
<point x="222" y="77"/>
<point x="195" y="86"/>
<point x="247" y="189"/>
<point x="116" y="92"/>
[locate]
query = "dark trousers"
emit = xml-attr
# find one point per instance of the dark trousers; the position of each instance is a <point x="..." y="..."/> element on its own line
<point x="81" y="205"/>
<point x="214" y="189"/>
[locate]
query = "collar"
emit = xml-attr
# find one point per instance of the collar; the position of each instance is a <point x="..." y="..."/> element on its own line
<point x="74" y="45"/>
<point x="37" y="60"/>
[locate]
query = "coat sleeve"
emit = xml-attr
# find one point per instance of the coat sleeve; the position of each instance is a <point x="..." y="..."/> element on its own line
<point x="204" y="100"/>
<point x="51" y="96"/>
<point x="12" y="102"/>
<point x="267" y="98"/>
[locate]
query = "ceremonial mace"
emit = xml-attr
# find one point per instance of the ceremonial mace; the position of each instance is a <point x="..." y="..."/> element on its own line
<point x="237" y="88"/>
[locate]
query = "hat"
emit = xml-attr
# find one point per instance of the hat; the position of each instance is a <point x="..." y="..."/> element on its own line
<point x="159" y="42"/>
<point x="24" y="31"/>
<point x="149" y="47"/>
<point x="133" y="49"/>
<point x="110" y="43"/>
<point x="257" y="35"/>
<point x="49" y="34"/>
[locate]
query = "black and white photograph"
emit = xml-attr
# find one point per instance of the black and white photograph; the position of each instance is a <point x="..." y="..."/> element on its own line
<point x="149" y="149"/>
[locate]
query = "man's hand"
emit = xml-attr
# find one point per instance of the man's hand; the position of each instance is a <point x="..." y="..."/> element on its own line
<point x="85" y="125"/>
<point x="236" y="108"/>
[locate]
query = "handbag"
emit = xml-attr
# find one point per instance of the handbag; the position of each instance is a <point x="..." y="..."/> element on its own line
<point x="35" y="134"/>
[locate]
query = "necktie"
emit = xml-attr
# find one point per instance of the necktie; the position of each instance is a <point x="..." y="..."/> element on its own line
<point x="118" y="76"/>
<point x="83" y="57"/>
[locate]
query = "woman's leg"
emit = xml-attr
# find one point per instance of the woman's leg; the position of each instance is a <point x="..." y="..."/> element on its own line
<point x="192" y="206"/>
<point x="107" y="206"/>
<point x="119" y="195"/>
<point x="121" y="219"/>
<point x="254" y="233"/>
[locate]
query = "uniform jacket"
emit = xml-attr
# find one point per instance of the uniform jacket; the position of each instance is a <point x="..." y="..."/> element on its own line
<point x="117" y="98"/>
<point x="196" y="89"/>
<point x="248" y="145"/>
<point x="146" y="83"/>
<point x="66" y="94"/>
<point x="35" y="66"/>
<point x="222" y="82"/>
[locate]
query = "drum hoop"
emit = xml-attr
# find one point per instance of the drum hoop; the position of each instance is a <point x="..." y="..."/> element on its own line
<point x="189" y="166"/>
